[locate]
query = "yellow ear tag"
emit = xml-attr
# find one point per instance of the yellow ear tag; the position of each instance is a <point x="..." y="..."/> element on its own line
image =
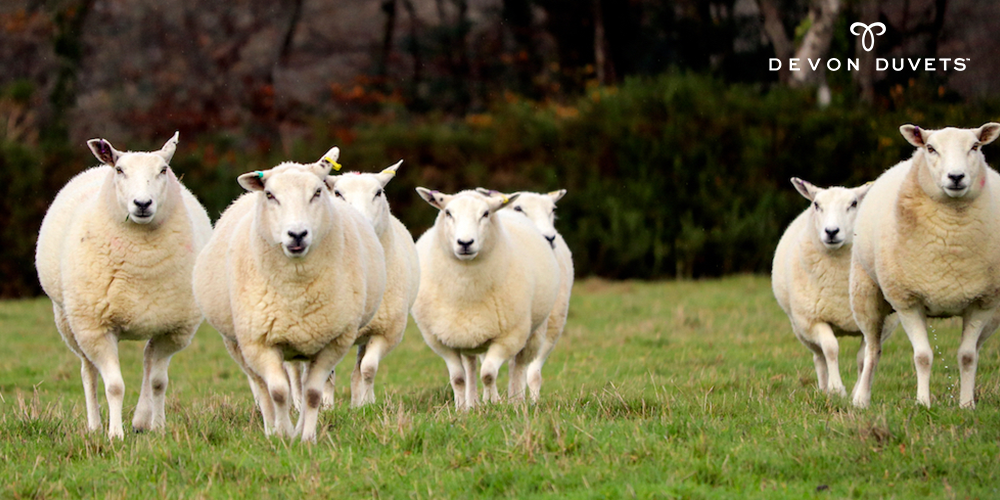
<point x="390" y="172"/>
<point x="336" y="166"/>
<point x="505" y="199"/>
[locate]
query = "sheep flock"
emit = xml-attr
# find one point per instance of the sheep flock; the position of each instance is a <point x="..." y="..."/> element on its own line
<point x="310" y="262"/>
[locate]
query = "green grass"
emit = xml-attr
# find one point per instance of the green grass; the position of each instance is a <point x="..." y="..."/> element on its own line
<point x="656" y="390"/>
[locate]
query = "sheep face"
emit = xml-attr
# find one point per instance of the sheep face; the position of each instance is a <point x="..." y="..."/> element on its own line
<point x="833" y="211"/>
<point x="953" y="157"/>
<point x="365" y="193"/>
<point x="541" y="210"/>
<point x="465" y="223"/>
<point x="141" y="180"/>
<point x="293" y="205"/>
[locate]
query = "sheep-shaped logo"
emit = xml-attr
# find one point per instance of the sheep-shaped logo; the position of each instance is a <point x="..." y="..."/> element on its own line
<point x="867" y="33"/>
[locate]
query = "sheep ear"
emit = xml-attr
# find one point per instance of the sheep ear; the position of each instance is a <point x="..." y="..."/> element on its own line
<point x="253" y="181"/>
<point x="436" y="199"/>
<point x="386" y="175"/>
<point x="804" y="188"/>
<point x="914" y="135"/>
<point x="501" y="200"/>
<point x="168" y="149"/>
<point x="104" y="151"/>
<point x="988" y="132"/>
<point x="862" y="190"/>
<point x="557" y="195"/>
<point x="331" y="181"/>
<point x="330" y="159"/>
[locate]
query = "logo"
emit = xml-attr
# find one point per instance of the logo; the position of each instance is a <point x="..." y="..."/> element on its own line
<point x="868" y="33"/>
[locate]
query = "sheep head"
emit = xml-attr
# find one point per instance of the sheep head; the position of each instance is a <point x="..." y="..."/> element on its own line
<point x="539" y="208"/>
<point x="952" y="157"/>
<point x="365" y="192"/>
<point x="465" y="222"/>
<point x="141" y="180"/>
<point x="833" y="211"/>
<point x="293" y="205"/>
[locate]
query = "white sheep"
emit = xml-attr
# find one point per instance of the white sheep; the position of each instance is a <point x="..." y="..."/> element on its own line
<point x="291" y="273"/>
<point x="115" y="254"/>
<point x="487" y="283"/>
<point x="541" y="210"/>
<point x="927" y="245"/>
<point x="365" y="192"/>
<point x="810" y="274"/>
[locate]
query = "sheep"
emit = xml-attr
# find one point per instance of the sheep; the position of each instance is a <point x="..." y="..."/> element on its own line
<point x="927" y="245"/>
<point x="115" y="253"/>
<point x="540" y="209"/>
<point x="487" y="283"/>
<point x="365" y="192"/>
<point x="291" y="273"/>
<point x="810" y="273"/>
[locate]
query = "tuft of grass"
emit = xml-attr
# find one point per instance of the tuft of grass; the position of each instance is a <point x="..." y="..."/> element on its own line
<point x="656" y="390"/>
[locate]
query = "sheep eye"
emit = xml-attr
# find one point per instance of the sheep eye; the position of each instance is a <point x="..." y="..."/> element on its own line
<point x="338" y="195"/>
<point x="486" y="214"/>
<point x="931" y="150"/>
<point x="518" y="209"/>
<point x="268" y="195"/>
<point x="378" y="193"/>
<point x="317" y="193"/>
<point x="854" y="204"/>
<point x="447" y="213"/>
<point x="119" y="170"/>
<point x="816" y="204"/>
<point x="163" y="170"/>
<point x="975" y="147"/>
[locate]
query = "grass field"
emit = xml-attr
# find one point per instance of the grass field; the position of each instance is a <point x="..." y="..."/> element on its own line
<point x="656" y="390"/>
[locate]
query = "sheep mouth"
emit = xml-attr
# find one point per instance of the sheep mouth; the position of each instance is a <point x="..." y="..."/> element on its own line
<point x="466" y="254"/>
<point x="141" y="216"/>
<point x="833" y="244"/>
<point x="296" y="250"/>
<point x="956" y="191"/>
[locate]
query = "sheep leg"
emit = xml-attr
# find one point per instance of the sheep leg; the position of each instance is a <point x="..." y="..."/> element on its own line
<point x="267" y="364"/>
<point x="861" y="356"/>
<point x="328" y="390"/>
<point x="535" y="366"/>
<point x="356" y="376"/>
<point x="367" y="367"/>
<point x="830" y="359"/>
<point x="316" y="375"/>
<point x="294" y="370"/>
<point x="974" y="326"/>
<point x="469" y="365"/>
<point x="150" y="413"/>
<point x="88" y="372"/>
<point x="257" y="386"/>
<point x="495" y="356"/>
<point x="518" y="365"/>
<point x="870" y="311"/>
<point x="915" y="324"/>
<point x="102" y="350"/>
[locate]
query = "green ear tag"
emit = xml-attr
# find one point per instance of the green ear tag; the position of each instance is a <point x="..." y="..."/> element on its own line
<point x="260" y="175"/>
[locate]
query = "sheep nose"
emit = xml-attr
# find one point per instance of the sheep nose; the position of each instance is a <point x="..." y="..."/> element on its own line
<point x="830" y="233"/>
<point x="956" y="179"/>
<point x="551" y="240"/>
<point x="143" y="205"/>
<point x="465" y="244"/>
<point x="298" y="236"/>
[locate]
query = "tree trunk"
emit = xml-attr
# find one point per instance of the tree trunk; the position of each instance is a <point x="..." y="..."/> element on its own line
<point x="602" y="64"/>
<point x="388" y="31"/>
<point x="816" y="43"/>
<point x="775" y="31"/>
